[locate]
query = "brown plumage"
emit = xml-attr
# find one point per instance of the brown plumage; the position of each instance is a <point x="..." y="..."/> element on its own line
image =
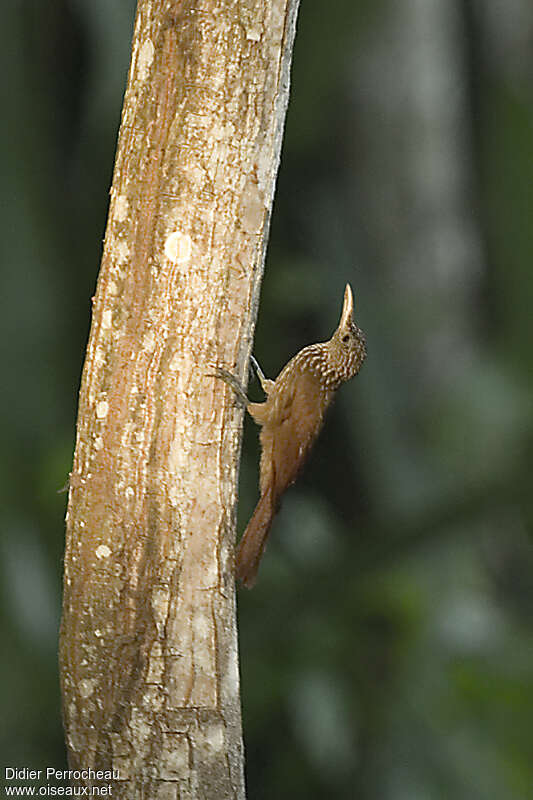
<point x="290" y="420"/>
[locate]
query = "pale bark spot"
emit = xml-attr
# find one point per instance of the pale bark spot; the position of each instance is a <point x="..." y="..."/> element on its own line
<point x="177" y="457"/>
<point x="277" y="19"/>
<point x="175" y="362"/>
<point x="202" y="626"/>
<point x="223" y="130"/>
<point x="102" y="407"/>
<point x="156" y="664"/>
<point x="173" y="496"/>
<point x="153" y="699"/>
<point x="102" y="551"/>
<point x="174" y="757"/>
<point x="252" y="208"/>
<point x="195" y="173"/>
<point x="215" y="737"/>
<point x="122" y="252"/>
<point x="139" y="725"/>
<point x="264" y="160"/>
<point x="160" y="601"/>
<point x="178" y="247"/>
<point x="230" y="683"/>
<point x="86" y="687"/>
<point x="99" y="355"/>
<point x="121" y="208"/>
<point x="149" y="341"/>
<point x="146" y="57"/>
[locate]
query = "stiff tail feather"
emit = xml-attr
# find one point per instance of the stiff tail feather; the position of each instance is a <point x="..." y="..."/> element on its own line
<point x="252" y="544"/>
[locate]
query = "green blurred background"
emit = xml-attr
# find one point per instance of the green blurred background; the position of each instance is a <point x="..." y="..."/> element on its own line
<point x="387" y="651"/>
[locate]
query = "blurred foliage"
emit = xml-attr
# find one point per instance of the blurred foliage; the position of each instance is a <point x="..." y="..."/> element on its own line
<point x="387" y="651"/>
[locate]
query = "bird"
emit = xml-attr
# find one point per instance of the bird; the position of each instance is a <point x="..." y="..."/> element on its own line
<point x="290" y="419"/>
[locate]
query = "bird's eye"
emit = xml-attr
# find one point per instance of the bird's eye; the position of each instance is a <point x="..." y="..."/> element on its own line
<point x="346" y="338"/>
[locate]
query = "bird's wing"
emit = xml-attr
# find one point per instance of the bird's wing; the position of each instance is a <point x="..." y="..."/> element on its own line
<point x="299" y="419"/>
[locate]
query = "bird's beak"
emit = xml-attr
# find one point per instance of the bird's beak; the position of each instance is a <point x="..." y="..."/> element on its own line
<point x="347" y="307"/>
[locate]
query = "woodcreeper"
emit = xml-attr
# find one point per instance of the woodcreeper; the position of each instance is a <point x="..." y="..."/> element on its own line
<point x="290" y="420"/>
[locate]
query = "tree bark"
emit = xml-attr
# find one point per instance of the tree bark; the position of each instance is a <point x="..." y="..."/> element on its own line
<point x="148" y="646"/>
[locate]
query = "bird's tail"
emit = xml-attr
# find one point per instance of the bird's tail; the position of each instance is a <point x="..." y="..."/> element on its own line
<point x="252" y="544"/>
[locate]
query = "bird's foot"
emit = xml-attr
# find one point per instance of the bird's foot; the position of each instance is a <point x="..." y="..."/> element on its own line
<point x="226" y="376"/>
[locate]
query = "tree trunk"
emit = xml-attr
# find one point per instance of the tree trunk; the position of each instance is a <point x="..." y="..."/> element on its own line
<point x="148" y="649"/>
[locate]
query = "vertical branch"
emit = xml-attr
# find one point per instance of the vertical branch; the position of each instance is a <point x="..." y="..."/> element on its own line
<point x="148" y="651"/>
